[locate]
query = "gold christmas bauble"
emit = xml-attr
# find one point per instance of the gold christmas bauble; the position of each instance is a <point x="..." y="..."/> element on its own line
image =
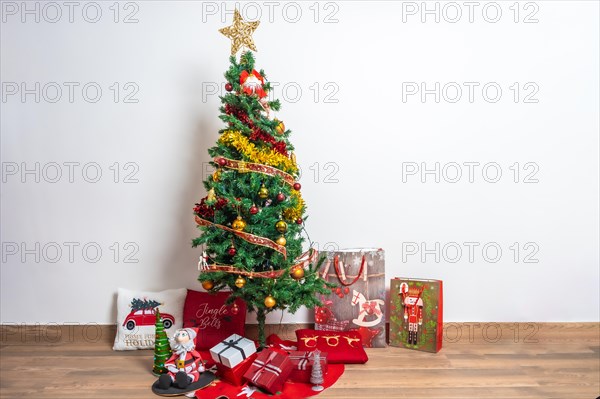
<point x="240" y="282"/>
<point x="270" y="302"/>
<point x="298" y="273"/>
<point x="263" y="192"/>
<point x="281" y="241"/>
<point x="280" y="128"/>
<point x="216" y="175"/>
<point x="208" y="285"/>
<point x="238" y="224"/>
<point x="281" y="226"/>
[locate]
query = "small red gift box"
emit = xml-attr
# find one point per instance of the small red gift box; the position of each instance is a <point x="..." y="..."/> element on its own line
<point x="235" y="376"/>
<point x="269" y="370"/>
<point x="303" y="363"/>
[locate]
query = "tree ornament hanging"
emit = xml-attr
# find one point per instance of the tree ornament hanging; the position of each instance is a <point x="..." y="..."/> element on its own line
<point x="299" y="221"/>
<point x="228" y="86"/>
<point x="297" y="186"/>
<point x="252" y="83"/>
<point x="238" y="224"/>
<point x="281" y="241"/>
<point x="263" y="192"/>
<point x="208" y="285"/>
<point x="298" y="273"/>
<point x="232" y="251"/>
<point x="253" y="209"/>
<point x="281" y="226"/>
<point x="235" y="309"/>
<point x="216" y="175"/>
<point x="240" y="282"/>
<point x="270" y="302"/>
<point x="280" y="197"/>
<point x="280" y="128"/>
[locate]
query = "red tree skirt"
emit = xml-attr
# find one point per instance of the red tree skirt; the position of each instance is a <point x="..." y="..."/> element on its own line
<point x="291" y="390"/>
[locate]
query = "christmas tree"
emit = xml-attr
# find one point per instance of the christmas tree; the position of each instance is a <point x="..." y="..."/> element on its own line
<point x="162" y="349"/>
<point x="316" y="374"/>
<point x="252" y="218"/>
<point x="145" y="304"/>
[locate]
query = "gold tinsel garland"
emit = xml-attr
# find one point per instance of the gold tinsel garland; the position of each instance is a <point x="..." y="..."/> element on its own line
<point x="291" y="214"/>
<point x="269" y="157"/>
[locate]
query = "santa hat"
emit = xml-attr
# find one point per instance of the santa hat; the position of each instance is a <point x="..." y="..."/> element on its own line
<point x="191" y="332"/>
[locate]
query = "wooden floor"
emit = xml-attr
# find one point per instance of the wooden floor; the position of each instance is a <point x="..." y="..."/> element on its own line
<point x="477" y="361"/>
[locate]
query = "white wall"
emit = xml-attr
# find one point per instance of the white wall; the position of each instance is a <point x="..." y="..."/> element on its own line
<point x="174" y="55"/>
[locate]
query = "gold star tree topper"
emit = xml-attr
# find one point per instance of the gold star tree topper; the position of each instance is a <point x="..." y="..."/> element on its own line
<point x="240" y="33"/>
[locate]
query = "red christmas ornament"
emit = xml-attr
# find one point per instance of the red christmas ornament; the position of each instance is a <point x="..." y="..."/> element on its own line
<point x="280" y="197"/>
<point x="253" y="210"/>
<point x="299" y="221"/>
<point x="235" y="309"/>
<point x="222" y="161"/>
<point x="228" y="86"/>
<point x="232" y="251"/>
<point x="297" y="186"/>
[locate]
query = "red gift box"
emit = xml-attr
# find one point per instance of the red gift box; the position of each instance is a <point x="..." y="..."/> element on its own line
<point x="235" y="376"/>
<point x="269" y="370"/>
<point x="303" y="363"/>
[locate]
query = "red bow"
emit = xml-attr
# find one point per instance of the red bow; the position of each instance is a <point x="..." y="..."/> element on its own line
<point x="370" y="308"/>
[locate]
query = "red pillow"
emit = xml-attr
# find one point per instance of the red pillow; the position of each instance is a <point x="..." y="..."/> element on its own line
<point x="341" y="346"/>
<point x="214" y="320"/>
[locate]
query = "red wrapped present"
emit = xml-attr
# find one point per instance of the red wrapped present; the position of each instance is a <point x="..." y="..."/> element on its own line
<point x="269" y="370"/>
<point x="303" y="363"/>
<point x="235" y="376"/>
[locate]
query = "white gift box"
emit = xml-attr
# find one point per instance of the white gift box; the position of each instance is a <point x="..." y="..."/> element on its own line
<point x="232" y="351"/>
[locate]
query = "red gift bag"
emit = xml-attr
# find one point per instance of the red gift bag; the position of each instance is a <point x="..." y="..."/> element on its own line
<point x="214" y="320"/>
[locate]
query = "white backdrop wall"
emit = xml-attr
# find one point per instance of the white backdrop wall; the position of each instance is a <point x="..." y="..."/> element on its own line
<point x="107" y="112"/>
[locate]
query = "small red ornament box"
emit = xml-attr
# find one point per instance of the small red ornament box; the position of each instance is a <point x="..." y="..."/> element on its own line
<point x="235" y="376"/>
<point x="303" y="363"/>
<point x="270" y="370"/>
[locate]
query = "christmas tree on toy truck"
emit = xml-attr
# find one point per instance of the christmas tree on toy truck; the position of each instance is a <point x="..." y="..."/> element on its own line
<point x="252" y="218"/>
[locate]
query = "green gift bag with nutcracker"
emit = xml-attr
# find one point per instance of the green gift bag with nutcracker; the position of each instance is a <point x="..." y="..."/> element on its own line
<point x="416" y="314"/>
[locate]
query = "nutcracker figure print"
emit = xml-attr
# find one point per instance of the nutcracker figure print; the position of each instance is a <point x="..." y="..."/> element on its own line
<point x="413" y="310"/>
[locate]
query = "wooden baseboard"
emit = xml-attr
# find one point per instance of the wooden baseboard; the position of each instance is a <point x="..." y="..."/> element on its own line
<point x="454" y="333"/>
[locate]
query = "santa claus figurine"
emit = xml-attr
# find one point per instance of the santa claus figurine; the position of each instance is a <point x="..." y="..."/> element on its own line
<point x="185" y="366"/>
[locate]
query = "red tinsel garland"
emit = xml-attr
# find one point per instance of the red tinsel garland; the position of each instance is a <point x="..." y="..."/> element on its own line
<point x="257" y="134"/>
